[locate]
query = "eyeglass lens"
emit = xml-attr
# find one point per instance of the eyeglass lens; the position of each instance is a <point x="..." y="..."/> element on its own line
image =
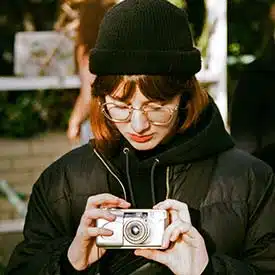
<point x="123" y="113"/>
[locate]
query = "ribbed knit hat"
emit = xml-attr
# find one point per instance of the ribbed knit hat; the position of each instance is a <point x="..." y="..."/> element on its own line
<point x="149" y="37"/>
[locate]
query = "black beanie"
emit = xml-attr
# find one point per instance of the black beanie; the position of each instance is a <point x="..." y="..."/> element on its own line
<point x="150" y="37"/>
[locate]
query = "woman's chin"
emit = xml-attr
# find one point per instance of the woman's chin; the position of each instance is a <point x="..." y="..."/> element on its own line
<point x="143" y="146"/>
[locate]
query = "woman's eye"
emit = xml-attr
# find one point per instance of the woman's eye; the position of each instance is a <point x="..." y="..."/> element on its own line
<point x="122" y="107"/>
<point x="153" y="107"/>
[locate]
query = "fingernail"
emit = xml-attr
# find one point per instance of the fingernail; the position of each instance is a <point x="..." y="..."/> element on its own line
<point x="111" y="216"/>
<point x="172" y="239"/>
<point x="157" y="205"/>
<point x="109" y="233"/>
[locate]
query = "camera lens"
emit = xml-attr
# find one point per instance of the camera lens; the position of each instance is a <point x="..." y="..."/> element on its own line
<point x="136" y="231"/>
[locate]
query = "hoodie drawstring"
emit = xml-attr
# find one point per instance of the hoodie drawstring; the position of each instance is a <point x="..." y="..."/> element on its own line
<point x="126" y="152"/>
<point x="107" y="165"/>
<point x="156" y="162"/>
<point x="167" y="183"/>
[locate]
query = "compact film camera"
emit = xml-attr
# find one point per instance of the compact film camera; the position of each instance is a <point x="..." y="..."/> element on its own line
<point x="134" y="228"/>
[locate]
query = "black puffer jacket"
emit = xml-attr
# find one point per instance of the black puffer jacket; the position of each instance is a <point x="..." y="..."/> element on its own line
<point x="230" y="195"/>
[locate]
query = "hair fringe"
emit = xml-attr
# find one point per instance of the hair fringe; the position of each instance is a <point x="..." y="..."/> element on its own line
<point x="106" y="135"/>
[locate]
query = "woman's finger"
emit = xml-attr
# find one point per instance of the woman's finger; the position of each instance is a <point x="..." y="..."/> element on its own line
<point x="184" y="215"/>
<point x="151" y="254"/>
<point x="113" y="205"/>
<point x="171" y="204"/>
<point x="190" y="241"/>
<point x="180" y="207"/>
<point x="174" y="231"/>
<point x="105" y="199"/>
<point x="193" y="238"/>
<point x="95" y="213"/>
<point x="98" y="231"/>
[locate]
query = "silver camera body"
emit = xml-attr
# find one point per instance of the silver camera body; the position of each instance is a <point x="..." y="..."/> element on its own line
<point x="134" y="228"/>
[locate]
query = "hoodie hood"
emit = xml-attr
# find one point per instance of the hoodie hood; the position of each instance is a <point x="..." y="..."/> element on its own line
<point x="208" y="137"/>
<point x="142" y="169"/>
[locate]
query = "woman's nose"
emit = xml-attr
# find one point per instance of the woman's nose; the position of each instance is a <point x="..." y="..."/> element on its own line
<point x="139" y="121"/>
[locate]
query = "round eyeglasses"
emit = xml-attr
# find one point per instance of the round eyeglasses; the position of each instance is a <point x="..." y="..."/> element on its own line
<point x="161" y="115"/>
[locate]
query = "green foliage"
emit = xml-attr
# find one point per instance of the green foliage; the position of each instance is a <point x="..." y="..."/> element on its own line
<point x="248" y="31"/>
<point x="178" y="3"/>
<point x="2" y="269"/>
<point x="28" y="113"/>
<point x="247" y="22"/>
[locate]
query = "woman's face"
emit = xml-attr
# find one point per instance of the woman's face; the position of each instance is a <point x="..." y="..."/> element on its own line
<point x="141" y="133"/>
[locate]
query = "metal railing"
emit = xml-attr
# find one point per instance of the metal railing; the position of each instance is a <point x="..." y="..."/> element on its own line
<point x="18" y="203"/>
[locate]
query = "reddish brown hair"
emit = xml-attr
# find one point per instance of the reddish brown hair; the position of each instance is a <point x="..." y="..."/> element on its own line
<point x="160" y="88"/>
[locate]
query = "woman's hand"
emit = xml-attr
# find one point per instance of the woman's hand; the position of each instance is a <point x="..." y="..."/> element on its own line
<point x="185" y="252"/>
<point x="83" y="250"/>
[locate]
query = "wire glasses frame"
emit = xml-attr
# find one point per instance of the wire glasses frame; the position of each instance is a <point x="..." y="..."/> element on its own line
<point x="122" y="113"/>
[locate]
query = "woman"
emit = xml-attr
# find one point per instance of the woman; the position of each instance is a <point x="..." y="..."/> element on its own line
<point x="91" y="13"/>
<point x="159" y="143"/>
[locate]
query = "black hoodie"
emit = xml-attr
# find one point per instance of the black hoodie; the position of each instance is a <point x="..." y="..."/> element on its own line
<point x="145" y="172"/>
<point x="230" y="196"/>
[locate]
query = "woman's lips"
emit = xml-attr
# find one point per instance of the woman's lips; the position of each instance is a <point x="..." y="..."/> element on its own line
<point x="140" y="139"/>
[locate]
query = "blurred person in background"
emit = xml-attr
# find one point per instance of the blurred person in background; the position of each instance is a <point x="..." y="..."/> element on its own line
<point x="252" y="111"/>
<point x="159" y="142"/>
<point x="91" y="13"/>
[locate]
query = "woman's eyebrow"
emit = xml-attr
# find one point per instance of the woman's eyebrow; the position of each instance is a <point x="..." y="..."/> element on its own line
<point x="157" y="102"/>
<point x="145" y="102"/>
<point x="119" y="100"/>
